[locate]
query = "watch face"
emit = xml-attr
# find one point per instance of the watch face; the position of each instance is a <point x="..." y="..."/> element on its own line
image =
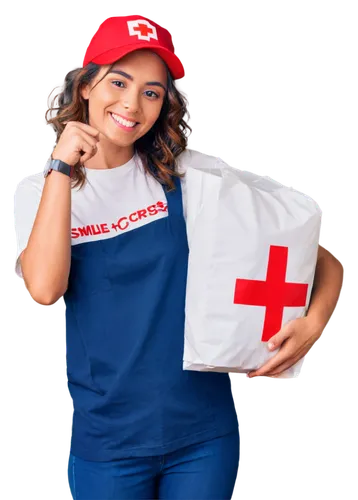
<point x="47" y="166"/>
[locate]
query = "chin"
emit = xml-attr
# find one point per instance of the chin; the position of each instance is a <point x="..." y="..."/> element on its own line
<point x="123" y="141"/>
<point x="117" y="139"/>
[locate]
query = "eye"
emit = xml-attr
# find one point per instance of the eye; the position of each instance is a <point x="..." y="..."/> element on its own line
<point x="151" y="94"/>
<point x="118" y="83"/>
<point x="156" y="96"/>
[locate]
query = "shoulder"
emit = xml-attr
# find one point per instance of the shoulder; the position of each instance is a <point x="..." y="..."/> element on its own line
<point x="191" y="159"/>
<point x="34" y="182"/>
<point x="27" y="193"/>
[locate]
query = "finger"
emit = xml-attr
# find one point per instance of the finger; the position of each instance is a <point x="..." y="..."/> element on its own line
<point x="88" y="153"/>
<point x="276" y="340"/>
<point x="86" y="128"/>
<point x="85" y="157"/>
<point x="89" y="150"/>
<point x="284" y="366"/>
<point x="286" y="351"/>
<point x="92" y="141"/>
<point x="281" y="368"/>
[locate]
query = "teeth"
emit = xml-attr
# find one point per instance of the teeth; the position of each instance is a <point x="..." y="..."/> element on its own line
<point x="122" y="121"/>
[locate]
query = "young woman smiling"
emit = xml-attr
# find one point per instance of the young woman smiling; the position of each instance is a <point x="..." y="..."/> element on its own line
<point x="142" y="426"/>
<point x="117" y="176"/>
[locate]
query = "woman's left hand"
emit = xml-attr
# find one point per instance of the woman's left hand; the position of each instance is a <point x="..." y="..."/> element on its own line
<point x="297" y="337"/>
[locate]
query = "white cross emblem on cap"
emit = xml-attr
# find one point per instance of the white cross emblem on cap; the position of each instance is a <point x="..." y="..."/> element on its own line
<point x="142" y="29"/>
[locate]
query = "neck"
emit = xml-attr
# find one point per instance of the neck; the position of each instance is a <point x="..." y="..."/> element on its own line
<point x="109" y="155"/>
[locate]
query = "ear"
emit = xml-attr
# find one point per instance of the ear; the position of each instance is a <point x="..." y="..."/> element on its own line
<point x="84" y="91"/>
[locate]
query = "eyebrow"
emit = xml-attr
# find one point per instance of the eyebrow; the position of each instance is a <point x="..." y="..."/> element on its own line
<point x="130" y="77"/>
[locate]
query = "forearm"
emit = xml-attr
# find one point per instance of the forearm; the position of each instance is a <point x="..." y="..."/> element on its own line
<point x="327" y="285"/>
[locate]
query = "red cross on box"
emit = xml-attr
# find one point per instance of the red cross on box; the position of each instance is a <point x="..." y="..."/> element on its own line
<point x="274" y="293"/>
<point x="143" y="28"/>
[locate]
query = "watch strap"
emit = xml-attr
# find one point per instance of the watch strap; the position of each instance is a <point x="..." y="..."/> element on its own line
<point x="59" y="166"/>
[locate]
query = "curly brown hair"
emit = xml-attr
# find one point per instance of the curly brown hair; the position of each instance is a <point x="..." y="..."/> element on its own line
<point x="157" y="149"/>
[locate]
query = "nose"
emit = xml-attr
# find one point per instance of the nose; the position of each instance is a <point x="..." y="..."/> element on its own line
<point x="130" y="101"/>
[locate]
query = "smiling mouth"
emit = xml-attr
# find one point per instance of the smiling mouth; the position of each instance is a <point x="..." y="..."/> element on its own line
<point x="122" y="123"/>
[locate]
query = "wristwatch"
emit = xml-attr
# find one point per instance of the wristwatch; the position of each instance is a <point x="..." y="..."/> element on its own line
<point x="58" y="165"/>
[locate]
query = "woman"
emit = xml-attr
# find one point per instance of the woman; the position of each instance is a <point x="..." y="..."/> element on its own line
<point x="105" y="228"/>
<point x="138" y="416"/>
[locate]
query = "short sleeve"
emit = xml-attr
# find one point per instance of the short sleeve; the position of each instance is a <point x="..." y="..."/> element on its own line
<point x="26" y="202"/>
<point x="194" y="184"/>
<point x="183" y="169"/>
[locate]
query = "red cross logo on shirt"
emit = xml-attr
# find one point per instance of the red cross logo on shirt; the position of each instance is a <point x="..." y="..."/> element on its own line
<point x="274" y="293"/>
<point x="142" y="29"/>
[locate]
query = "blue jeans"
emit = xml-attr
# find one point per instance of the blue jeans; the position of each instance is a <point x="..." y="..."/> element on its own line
<point x="201" y="471"/>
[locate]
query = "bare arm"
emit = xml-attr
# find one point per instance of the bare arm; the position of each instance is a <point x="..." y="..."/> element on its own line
<point x="326" y="289"/>
<point x="46" y="260"/>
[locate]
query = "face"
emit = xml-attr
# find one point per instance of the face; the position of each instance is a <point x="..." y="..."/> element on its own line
<point x="134" y="89"/>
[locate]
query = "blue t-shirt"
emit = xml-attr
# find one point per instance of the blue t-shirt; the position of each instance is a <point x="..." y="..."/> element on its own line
<point x="125" y="313"/>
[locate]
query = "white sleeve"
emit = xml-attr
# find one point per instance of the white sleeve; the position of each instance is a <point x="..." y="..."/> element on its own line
<point x="195" y="165"/>
<point x="183" y="192"/>
<point x="26" y="202"/>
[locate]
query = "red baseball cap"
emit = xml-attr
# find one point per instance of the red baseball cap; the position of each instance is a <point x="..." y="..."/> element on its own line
<point x="117" y="36"/>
